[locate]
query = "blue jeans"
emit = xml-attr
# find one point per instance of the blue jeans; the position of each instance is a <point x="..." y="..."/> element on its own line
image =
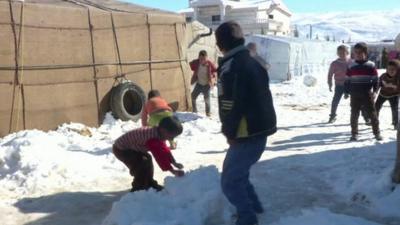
<point x="235" y="181"/>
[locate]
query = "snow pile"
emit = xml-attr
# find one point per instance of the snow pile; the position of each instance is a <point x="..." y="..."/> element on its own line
<point x="321" y="216"/>
<point x="194" y="199"/>
<point x="34" y="162"/>
<point x="375" y="190"/>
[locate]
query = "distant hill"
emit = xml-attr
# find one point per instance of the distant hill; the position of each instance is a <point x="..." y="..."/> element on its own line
<point x="354" y="26"/>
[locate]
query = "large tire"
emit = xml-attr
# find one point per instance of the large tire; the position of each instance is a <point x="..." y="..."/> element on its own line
<point x="127" y="101"/>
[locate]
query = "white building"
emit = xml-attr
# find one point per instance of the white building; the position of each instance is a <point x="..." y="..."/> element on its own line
<point x="255" y="16"/>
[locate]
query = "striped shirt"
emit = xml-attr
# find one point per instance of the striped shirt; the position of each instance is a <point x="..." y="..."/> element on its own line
<point x="362" y="76"/>
<point x="137" y="139"/>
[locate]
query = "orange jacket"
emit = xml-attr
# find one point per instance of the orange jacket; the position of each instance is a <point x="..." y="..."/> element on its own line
<point x="156" y="104"/>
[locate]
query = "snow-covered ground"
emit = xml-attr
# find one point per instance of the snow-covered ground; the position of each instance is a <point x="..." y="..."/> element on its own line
<point x="310" y="174"/>
<point x="354" y="26"/>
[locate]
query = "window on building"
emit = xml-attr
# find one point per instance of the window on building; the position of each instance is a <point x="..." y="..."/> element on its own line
<point x="189" y="19"/>
<point x="271" y="17"/>
<point x="216" y="18"/>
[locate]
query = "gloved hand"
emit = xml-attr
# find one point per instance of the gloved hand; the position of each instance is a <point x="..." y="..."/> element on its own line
<point x="330" y="87"/>
<point x="178" y="173"/>
<point x="178" y="165"/>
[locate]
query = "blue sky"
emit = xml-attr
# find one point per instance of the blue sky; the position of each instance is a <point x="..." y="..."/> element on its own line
<point x="296" y="6"/>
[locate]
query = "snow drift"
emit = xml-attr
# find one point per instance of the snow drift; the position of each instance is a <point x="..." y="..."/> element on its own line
<point x="195" y="199"/>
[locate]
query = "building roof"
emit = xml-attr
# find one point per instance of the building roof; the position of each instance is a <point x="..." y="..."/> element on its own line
<point x="244" y="4"/>
<point x="187" y="10"/>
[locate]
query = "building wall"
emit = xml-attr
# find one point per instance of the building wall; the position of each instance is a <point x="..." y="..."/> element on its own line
<point x="242" y="15"/>
<point x="204" y="14"/>
<point x="252" y="20"/>
<point x="279" y="16"/>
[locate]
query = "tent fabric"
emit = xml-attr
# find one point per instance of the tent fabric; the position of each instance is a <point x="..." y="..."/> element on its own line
<point x="197" y="43"/>
<point x="290" y="57"/>
<point x="59" y="59"/>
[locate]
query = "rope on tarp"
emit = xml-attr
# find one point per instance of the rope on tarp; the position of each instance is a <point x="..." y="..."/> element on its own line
<point x="71" y="28"/>
<point x="77" y="66"/>
<point x="114" y="77"/>
<point x="116" y="42"/>
<point x="183" y="72"/>
<point x="21" y="59"/>
<point x="94" y="67"/>
<point x="150" y="57"/>
<point x="17" y="80"/>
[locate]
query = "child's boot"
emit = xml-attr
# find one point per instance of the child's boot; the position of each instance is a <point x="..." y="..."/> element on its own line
<point x="353" y="137"/>
<point x="378" y="137"/>
<point x="332" y="119"/>
<point x="156" y="186"/>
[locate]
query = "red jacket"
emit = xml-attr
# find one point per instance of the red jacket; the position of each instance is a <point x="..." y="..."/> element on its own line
<point x="162" y="154"/>
<point x="145" y="139"/>
<point x="194" y="66"/>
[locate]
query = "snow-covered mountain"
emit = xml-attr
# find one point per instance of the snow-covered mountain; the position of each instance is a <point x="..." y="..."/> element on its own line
<point x="354" y="26"/>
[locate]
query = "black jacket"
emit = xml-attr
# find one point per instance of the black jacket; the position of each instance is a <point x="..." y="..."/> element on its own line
<point x="245" y="102"/>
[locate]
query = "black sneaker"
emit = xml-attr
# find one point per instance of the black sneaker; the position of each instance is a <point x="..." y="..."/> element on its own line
<point x="156" y="186"/>
<point x="378" y="137"/>
<point x="332" y="120"/>
<point x="353" y="138"/>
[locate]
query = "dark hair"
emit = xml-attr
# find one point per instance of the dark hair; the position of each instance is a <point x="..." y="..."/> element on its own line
<point x="152" y="94"/>
<point x="229" y="35"/>
<point x="172" y="125"/>
<point x="203" y="53"/>
<point x="343" y="48"/>
<point x="395" y="63"/>
<point x="362" y="46"/>
<point x="251" y="45"/>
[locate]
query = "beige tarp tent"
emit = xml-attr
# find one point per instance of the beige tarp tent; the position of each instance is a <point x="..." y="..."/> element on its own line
<point x="59" y="59"/>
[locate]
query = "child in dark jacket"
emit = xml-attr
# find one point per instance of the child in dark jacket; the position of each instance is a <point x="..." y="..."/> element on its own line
<point x="132" y="149"/>
<point x="389" y="84"/>
<point x="362" y="84"/>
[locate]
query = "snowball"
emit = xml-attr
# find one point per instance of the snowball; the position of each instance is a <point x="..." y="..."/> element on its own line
<point x="310" y="81"/>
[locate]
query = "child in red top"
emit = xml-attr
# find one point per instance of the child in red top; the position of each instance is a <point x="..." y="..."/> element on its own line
<point x="203" y="78"/>
<point x="132" y="149"/>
